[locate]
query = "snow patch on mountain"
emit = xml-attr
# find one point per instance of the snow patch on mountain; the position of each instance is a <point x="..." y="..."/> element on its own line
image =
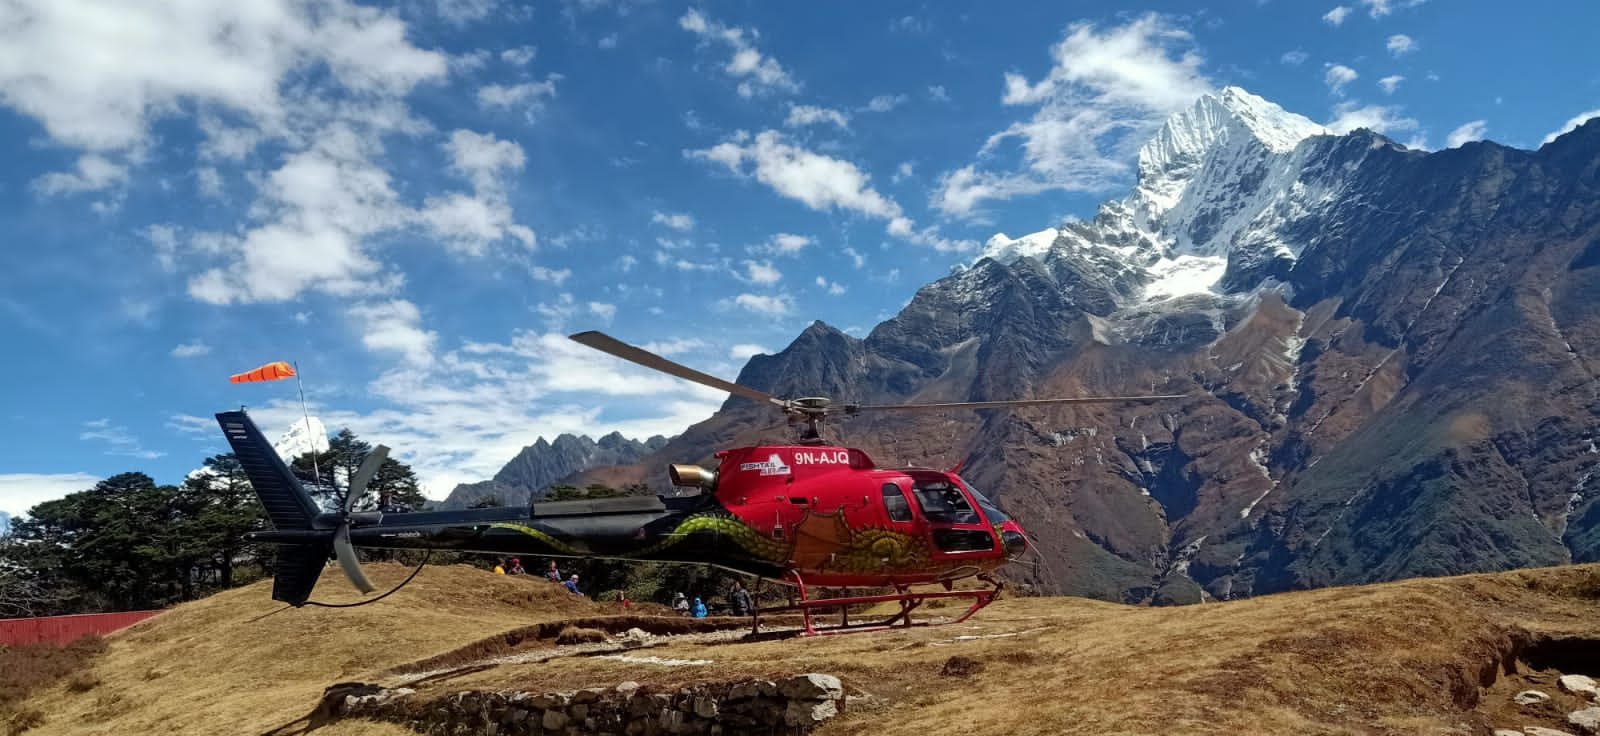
<point x="1220" y="188"/>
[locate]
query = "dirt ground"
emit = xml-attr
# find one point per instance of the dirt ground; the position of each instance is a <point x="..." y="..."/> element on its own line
<point x="1428" y="656"/>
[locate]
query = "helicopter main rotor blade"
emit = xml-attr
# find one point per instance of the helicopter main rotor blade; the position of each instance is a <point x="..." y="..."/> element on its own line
<point x="608" y="344"/>
<point x="853" y="408"/>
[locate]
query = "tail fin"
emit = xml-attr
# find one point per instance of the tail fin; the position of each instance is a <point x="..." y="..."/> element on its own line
<point x="288" y="506"/>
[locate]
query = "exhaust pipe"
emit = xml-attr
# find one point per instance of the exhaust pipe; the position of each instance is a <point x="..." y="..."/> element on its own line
<point x="692" y="476"/>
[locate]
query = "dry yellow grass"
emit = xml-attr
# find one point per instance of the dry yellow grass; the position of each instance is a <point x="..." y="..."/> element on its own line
<point x="1399" y="658"/>
<point x="239" y="662"/>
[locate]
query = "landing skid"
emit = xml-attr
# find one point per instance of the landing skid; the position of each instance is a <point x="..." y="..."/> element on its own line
<point x="908" y="599"/>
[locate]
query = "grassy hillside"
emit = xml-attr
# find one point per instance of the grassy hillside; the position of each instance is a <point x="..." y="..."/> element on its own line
<point x="1415" y="656"/>
<point x="239" y="662"/>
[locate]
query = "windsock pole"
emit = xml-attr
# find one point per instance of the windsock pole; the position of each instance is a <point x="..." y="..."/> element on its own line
<point x="315" y="471"/>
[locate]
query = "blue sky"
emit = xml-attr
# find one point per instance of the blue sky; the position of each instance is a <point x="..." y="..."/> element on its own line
<point x="416" y="202"/>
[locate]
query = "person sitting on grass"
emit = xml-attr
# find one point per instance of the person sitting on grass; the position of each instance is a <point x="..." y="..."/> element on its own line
<point x="572" y="585"/>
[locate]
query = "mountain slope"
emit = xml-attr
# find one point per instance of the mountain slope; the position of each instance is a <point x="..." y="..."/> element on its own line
<point x="1389" y="356"/>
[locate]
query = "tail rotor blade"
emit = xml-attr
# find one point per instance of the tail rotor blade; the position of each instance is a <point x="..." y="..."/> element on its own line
<point x="358" y="482"/>
<point x="346" y="554"/>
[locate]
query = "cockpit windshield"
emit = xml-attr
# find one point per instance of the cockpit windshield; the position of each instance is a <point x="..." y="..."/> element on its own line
<point x="943" y="502"/>
<point x="996" y="516"/>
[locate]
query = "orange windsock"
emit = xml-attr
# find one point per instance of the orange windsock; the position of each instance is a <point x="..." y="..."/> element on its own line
<point x="269" y="372"/>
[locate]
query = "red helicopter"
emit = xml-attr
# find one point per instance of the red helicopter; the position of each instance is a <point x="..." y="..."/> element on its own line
<point x="804" y="514"/>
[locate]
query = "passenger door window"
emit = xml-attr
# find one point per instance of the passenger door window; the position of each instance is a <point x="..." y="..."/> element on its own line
<point x="894" y="501"/>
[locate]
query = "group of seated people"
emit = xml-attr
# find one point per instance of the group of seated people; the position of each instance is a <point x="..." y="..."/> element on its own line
<point x="514" y="567"/>
<point x="738" y="599"/>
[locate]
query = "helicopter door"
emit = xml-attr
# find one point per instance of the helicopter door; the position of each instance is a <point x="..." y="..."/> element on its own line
<point x="958" y="528"/>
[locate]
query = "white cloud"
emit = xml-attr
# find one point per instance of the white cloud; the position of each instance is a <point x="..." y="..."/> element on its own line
<point x="885" y="103"/>
<point x="1466" y="133"/>
<point x="856" y="257"/>
<point x="22" y="491"/>
<point x="1390" y="82"/>
<point x="786" y="244"/>
<point x="1337" y="76"/>
<point x="1336" y="16"/>
<point x="682" y="222"/>
<point x="94" y="172"/>
<point x="324" y="81"/>
<point x="191" y="349"/>
<point x="1348" y="116"/>
<point x="1108" y="90"/>
<point x="802" y="115"/>
<point x="911" y="24"/>
<point x="208" y="181"/>
<point x="395" y="326"/>
<point x="772" y="306"/>
<point x="529" y="96"/>
<point x="1571" y="125"/>
<point x="626" y="263"/>
<point x="819" y="181"/>
<point x="676" y="346"/>
<point x="761" y="272"/>
<point x="746" y="351"/>
<point x="758" y="74"/>
<point x="1400" y="44"/>
<point x="552" y="275"/>
<point x="1294" y="58"/>
<point x="462" y="12"/>
<point x="121" y="441"/>
<point x="832" y="287"/>
<point x="608" y="41"/>
<point x="483" y="159"/>
<point x="937" y="93"/>
<point x="606" y="312"/>
<point x="96" y="73"/>
<point x="1380" y="8"/>
<point x="519" y="56"/>
<point x="902" y="172"/>
<point x="470" y="223"/>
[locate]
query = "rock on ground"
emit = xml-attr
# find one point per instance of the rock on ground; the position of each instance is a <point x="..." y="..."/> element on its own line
<point x="1530" y="697"/>
<point x="1578" y="685"/>
<point x="1586" y="720"/>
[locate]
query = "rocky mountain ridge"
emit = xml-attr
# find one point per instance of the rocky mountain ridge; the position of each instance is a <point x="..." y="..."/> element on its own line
<point x="529" y="475"/>
<point x="1388" y="352"/>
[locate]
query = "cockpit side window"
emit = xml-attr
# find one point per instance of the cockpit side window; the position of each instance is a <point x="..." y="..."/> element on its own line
<point x="943" y="502"/>
<point x="894" y="501"/>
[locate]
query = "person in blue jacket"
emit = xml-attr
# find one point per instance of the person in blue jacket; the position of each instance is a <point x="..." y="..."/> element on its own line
<point x="699" y="608"/>
<point x="572" y="585"/>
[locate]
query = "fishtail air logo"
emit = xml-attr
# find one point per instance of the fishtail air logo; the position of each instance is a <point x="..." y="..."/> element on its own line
<point x="772" y="466"/>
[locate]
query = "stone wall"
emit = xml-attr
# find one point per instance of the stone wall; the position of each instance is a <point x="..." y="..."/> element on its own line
<point x="789" y="706"/>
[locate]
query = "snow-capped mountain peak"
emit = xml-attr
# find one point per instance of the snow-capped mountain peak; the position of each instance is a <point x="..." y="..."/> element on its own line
<point x="1222" y="188"/>
<point x="302" y="437"/>
<point x="1215" y="123"/>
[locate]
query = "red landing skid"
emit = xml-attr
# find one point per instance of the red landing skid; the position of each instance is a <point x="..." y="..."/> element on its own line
<point x="907" y="598"/>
